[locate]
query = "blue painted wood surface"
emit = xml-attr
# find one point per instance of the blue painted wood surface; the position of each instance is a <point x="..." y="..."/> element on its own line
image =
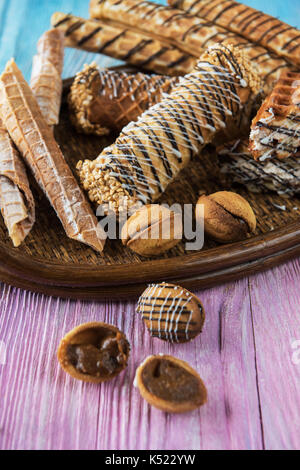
<point x="23" y="21"/>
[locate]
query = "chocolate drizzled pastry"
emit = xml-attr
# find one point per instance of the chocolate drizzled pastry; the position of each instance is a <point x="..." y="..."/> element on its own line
<point x="101" y="101"/>
<point x="169" y="384"/>
<point x="275" y="131"/>
<point x="151" y="152"/>
<point x="238" y="166"/>
<point x="258" y="27"/>
<point x="171" y="313"/>
<point x="187" y="32"/>
<point x="123" y="43"/>
<point x="94" y="352"/>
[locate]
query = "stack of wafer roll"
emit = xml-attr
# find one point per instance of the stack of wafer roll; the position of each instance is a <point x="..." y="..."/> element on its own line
<point x="275" y="131"/>
<point x="101" y="101"/>
<point x="46" y="81"/>
<point x="258" y="27"/>
<point x="186" y="32"/>
<point x="238" y="166"/>
<point x="16" y="200"/>
<point x="150" y="153"/>
<point x="132" y="46"/>
<point x="34" y="139"/>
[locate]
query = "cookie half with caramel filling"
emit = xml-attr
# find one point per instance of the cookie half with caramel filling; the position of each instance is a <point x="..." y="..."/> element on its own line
<point x="94" y="352"/>
<point x="169" y="384"/>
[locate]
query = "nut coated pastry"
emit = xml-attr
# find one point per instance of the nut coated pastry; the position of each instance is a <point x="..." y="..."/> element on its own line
<point x="238" y="165"/>
<point x="101" y="101"/>
<point x="275" y="131"/>
<point x="34" y="139"/>
<point x="254" y="25"/>
<point x="16" y="200"/>
<point x="123" y="43"/>
<point x="46" y="81"/>
<point x="187" y="32"/>
<point x="150" y="153"/>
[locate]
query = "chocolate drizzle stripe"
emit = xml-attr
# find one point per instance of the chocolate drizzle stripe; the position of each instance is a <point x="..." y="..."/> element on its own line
<point x="167" y="305"/>
<point x="140" y="46"/>
<point x="283" y="66"/>
<point x="171" y="138"/>
<point x="279" y="129"/>
<point x="171" y="18"/>
<point x="240" y="13"/>
<point x="216" y="96"/>
<point x="212" y="7"/>
<point x="281" y="32"/>
<point x="73" y="27"/>
<point x="147" y="157"/>
<point x="167" y="320"/>
<point x="193" y="121"/>
<point x="182" y="127"/>
<point x="154" y="56"/>
<point x="179" y="333"/>
<point x="247" y="20"/>
<point x="265" y="34"/>
<point x="64" y="20"/>
<point x="179" y="61"/>
<point x="290" y="42"/>
<point x="111" y="41"/>
<point x="159" y="150"/>
<point x="133" y="162"/>
<point x="221" y="13"/>
<point x="89" y="36"/>
<point x="194" y="29"/>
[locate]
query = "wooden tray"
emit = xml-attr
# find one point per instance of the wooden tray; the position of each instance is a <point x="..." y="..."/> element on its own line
<point x="50" y="263"/>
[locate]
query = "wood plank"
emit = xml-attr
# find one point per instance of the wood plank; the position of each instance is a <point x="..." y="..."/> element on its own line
<point x="52" y="410"/>
<point x="275" y="301"/>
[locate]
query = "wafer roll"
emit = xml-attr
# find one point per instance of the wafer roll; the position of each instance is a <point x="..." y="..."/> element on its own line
<point x="46" y="81"/>
<point x="254" y="25"/>
<point x="185" y="31"/>
<point x="101" y="101"/>
<point x="122" y="43"/>
<point x="150" y="153"/>
<point x="34" y="139"/>
<point x="275" y="131"/>
<point x="237" y="164"/>
<point x="16" y="199"/>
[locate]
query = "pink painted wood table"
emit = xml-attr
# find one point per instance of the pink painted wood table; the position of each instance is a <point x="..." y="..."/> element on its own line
<point x="248" y="354"/>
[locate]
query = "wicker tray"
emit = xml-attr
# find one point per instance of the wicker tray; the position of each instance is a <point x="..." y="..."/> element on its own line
<point x="50" y="263"/>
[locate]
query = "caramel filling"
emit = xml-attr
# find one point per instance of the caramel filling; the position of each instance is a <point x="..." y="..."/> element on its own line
<point x="104" y="358"/>
<point x="170" y="382"/>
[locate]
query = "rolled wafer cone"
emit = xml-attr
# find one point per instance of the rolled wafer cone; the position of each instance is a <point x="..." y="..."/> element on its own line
<point x="275" y="130"/>
<point x="105" y="100"/>
<point x="238" y="166"/>
<point x="16" y="200"/>
<point x="34" y="139"/>
<point x="151" y="152"/>
<point x="123" y="43"/>
<point x="263" y="29"/>
<point x="185" y="31"/>
<point x="51" y="46"/>
<point x="46" y="81"/>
